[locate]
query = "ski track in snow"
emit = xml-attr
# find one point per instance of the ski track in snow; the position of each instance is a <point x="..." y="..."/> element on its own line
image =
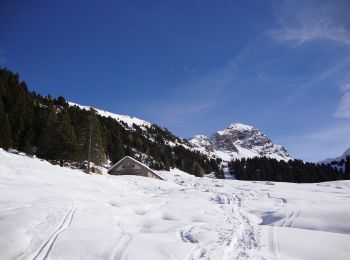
<point x="46" y="248"/>
<point x="275" y="248"/>
<point x="289" y="220"/>
<point x="234" y="242"/>
<point x="120" y="248"/>
<point x="49" y="212"/>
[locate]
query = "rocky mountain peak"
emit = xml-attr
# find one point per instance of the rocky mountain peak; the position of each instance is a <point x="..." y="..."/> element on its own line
<point x="239" y="141"/>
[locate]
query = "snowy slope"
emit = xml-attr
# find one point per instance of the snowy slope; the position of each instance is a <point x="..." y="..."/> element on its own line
<point x="239" y="141"/>
<point x="49" y="212"/>
<point x="129" y="120"/>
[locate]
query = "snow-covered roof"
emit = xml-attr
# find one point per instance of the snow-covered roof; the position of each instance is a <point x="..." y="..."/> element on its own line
<point x="135" y="161"/>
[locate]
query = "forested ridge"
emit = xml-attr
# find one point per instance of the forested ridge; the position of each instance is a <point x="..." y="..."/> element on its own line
<point x="52" y="129"/>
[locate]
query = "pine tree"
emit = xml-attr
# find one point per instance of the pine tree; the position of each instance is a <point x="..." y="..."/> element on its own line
<point x="347" y="168"/>
<point x="20" y="115"/>
<point x="48" y="143"/>
<point x="197" y="169"/>
<point x="97" y="154"/>
<point x="118" y="150"/>
<point x="68" y="144"/>
<point x="5" y="131"/>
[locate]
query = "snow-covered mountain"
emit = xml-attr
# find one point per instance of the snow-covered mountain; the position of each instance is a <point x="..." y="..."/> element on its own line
<point x="337" y="159"/>
<point x="239" y="141"/>
<point x="236" y="141"/>
<point x="338" y="162"/>
<point x="127" y="120"/>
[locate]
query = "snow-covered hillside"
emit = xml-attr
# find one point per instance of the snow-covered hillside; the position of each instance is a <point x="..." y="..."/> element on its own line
<point x="128" y="120"/>
<point x="50" y="212"/>
<point x="239" y="141"/>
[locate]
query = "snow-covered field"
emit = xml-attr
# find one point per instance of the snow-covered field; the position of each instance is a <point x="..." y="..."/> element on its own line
<point x="49" y="212"/>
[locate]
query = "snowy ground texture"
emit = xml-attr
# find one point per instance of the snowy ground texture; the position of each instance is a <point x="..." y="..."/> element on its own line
<point x="49" y="212"/>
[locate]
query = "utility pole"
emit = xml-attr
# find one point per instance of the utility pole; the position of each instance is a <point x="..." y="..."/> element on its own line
<point x="89" y="154"/>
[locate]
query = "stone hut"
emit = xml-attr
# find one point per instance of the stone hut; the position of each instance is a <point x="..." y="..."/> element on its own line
<point x="130" y="166"/>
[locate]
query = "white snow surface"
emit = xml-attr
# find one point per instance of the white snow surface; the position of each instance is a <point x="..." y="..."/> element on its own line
<point x="50" y="212"/>
<point x="129" y="120"/>
<point x="200" y="141"/>
<point x="236" y="126"/>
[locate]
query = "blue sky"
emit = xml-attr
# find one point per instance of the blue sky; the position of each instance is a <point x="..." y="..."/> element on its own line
<point x="194" y="66"/>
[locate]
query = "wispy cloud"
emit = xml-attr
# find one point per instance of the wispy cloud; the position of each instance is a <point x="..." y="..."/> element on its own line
<point x="331" y="74"/>
<point x="331" y="133"/>
<point x="306" y="21"/>
<point x="317" y="21"/>
<point x="330" y="141"/>
<point x="193" y="98"/>
<point x="199" y="94"/>
<point x="308" y="31"/>
<point x="343" y="109"/>
<point x="176" y="113"/>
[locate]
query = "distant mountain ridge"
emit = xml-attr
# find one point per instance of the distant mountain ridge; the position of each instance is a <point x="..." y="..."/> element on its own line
<point x="239" y="141"/>
<point x="337" y="159"/>
<point x="341" y="163"/>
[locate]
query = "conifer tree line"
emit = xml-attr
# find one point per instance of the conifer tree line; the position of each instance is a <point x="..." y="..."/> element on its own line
<point x="342" y="164"/>
<point x="267" y="169"/>
<point x="52" y="129"/>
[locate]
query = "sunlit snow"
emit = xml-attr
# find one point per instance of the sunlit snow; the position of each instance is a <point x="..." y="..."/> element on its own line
<point x="51" y="212"/>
